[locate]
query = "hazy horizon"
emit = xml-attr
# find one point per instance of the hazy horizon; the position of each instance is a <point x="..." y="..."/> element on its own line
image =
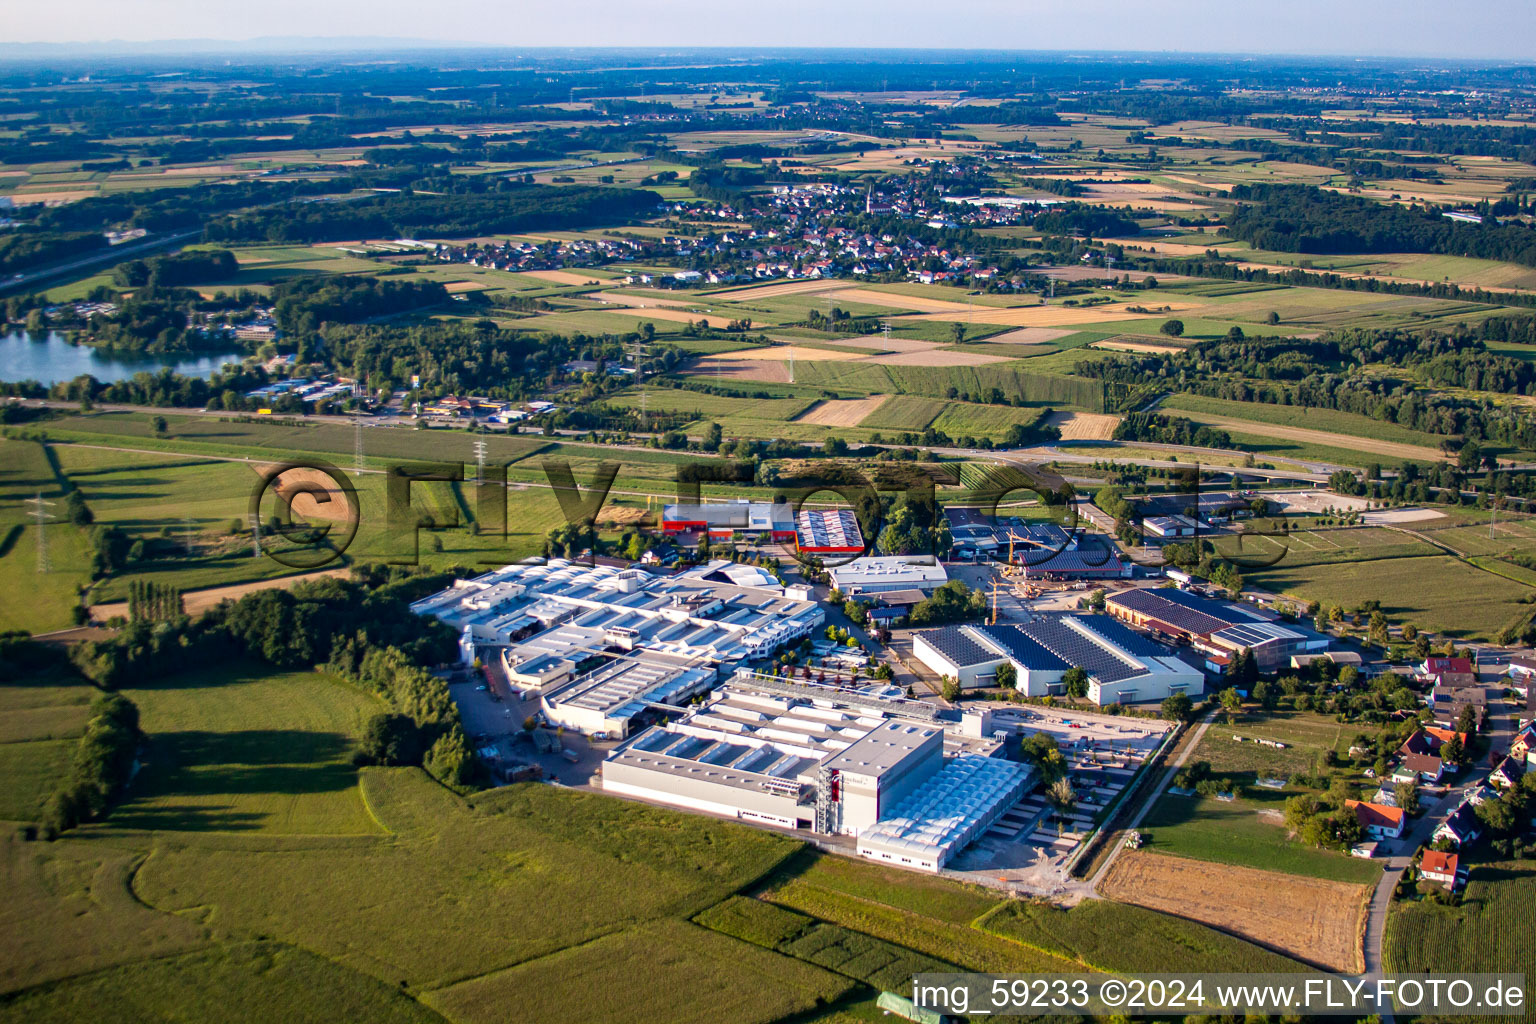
<point x="1488" y="30"/>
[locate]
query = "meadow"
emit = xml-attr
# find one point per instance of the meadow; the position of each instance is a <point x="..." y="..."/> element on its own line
<point x="1439" y="593"/>
<point x="1244" y="832"/>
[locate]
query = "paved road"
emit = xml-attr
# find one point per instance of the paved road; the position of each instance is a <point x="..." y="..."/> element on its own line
<point x="99" y="257"/>
<point x="1499" y="735"/>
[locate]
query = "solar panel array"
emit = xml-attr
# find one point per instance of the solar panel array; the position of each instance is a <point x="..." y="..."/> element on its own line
<point x="1174" y="613"/>
<point x="1128" y="640"/>
<point x="957" y="647"/>
<point x="1080" y="650"/>
<point x="1023" y="648"/>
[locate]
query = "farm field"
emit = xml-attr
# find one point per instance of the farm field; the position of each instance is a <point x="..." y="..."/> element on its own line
<point x="1081" y="426"/>
<point x="1316" y="921"/>
<point x="1439" y="593"/>
<point x="1305" y="734"/>
<point x="1483" y="934"/>
<point x="1322" y="547"/>
<point x="1317" y="426"/>
<point x="37" y="597"/>
<point x="841" y="412"/>
<point x="742" y="982"/>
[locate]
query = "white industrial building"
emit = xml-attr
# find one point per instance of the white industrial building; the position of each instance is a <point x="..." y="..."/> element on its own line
<point x="913" y="790"/>
<point x="1122" y="666"/>
<point x="600" y="645"/>
<point x="879" y="574"/>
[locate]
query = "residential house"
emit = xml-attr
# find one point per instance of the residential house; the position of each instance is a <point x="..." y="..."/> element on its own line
<point x="1442" y="868"/>
<point x="1433" y="666"/>
<point x="1419" y="768"/>
<point x="1507" y="772"/>
<point x="1378" y="820"/>
<point x="1461" y="827"/>
<point x="1524" y="746"/>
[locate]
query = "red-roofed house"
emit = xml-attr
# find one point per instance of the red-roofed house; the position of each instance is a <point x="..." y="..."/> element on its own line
<point x="1378" y="820"/>
<point x="1435" y="666"/>
<point x="1440" y="867"/>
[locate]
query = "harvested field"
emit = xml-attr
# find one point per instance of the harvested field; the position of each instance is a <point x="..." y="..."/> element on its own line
<point x="1027" y="336"/>
<point x="1313" y="920"/>
<point x="560" y="276"/>
<point x="841" y="412"/>
<point x="771" y="291"/>
<point x="769" y="371"/>
<point x="455" y="287"/>
<point x="619" y="515"/>
<point x="196" y="602"/>
<point x="303" y="488"/>
<point x="1117" y="345"/>
<point x="875" y="297"/>
<point x="1084" y="426"/>
<point x="782" y="353"/>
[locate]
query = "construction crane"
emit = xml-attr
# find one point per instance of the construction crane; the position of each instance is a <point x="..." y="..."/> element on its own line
<point x="993" y="622"/>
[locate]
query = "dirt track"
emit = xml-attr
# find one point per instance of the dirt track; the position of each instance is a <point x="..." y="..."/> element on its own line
<point x="1311" y="919"/>
<point x="198" y="601"/>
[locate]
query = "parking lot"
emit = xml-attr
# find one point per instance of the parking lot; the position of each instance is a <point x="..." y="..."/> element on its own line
<point x="494" y="721"/>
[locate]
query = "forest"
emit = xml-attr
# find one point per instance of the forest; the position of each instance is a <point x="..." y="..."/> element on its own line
<point x="1300" y="218"/>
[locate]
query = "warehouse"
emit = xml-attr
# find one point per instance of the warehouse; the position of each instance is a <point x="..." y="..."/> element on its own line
<point x="1219" y="628"/>
<point x="608" y="699"/>
<point x="829" y="532"/>
<point x="880" y="574"/>
<point x="718" y="613"/>
<point x="731" y="520"/>
<point x="911" y="789"/>
<point x="1122" y="666"/>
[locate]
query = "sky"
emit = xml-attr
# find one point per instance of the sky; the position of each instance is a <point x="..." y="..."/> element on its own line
<point x="1470" y="29"/>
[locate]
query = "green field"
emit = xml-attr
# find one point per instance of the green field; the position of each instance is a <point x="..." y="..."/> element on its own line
<point x="1249" y="830"/>
<point x="1486" y="934"/>
<point x="1439" y="593"/>
<point x="241" y="749"/>
<point x="665" y="970"/>
<point x="977" y="930"/>
<point x="1205" y="828"/>
<point x="219" y="983"/>
<point x="1311" y="419"/>
<point x="904" y="412"/>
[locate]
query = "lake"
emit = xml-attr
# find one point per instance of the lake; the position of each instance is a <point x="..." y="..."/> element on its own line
<point x="53" y="359"/>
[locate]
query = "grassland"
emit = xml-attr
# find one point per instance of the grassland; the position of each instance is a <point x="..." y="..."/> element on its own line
<point x="665" y="970"/>
<point x="976" y="930"/>
<point x="217" y="983"/>
<point x="1320" y="420"/>
<point x="1439" y="593"/>
<point x="240" y="748"/>
<point x="37" y="597"/>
